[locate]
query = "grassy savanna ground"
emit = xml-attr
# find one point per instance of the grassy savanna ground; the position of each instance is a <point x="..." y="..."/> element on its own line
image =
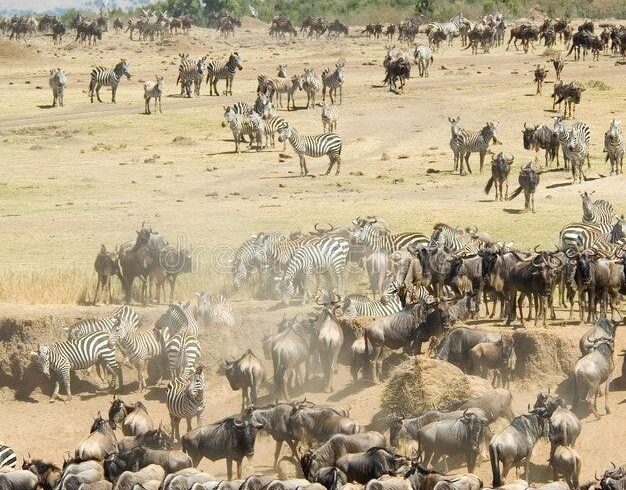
<point x="86" y="174"/>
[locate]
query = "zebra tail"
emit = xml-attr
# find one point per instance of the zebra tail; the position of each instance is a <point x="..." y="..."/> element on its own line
<point x="517" y="192"/>
<point x="489" y="185"/>
<point x="178" y="80"/>
<point x="92" y="85"/>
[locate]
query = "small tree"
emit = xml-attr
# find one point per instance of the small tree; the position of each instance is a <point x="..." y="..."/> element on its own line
<point x="424" y="7"/>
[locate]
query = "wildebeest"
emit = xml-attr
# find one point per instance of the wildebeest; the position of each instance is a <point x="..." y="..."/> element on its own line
<point x="74" y="474"/>
<point x="590" y="372"/>
<point x="373" y="463"/>
<point x="185" y="479"/>
<point x="591" y="277"/>
<point x="318" y="423"/>
<point x="136" y="262"/>
<point x="498" y="356"/>
<point x="48" y="473"/>
<point x="564" y="425"/>
<point x="397" y="69"/>
<point x="337" y="446"/>
<point x="566" y="461"/>
<point x="329" y="338"/>
<point x="528" y="181"/>
<point x="541" y="137"/>
<point x="540" y="75"/>
<point x="515" y="443"/>
<point x="387" y="482"/>
<point x="18" y="480"/>
<point x="100" y="443"/>
<point x="157" y="438"/>
<point x="134" y="419"/>
<point x="129" y="479"/>
<point x="457" y="343"/>
<point x="245" y="374"/>
<point x="229" y="439"/>
<point x="106" y="267"/>
<point x="500" y="170"/>
<point x="604" y="329"/>
<point x="171" y="461"/>
<point x="451" y="437"/>
<point x="494" y="404"/>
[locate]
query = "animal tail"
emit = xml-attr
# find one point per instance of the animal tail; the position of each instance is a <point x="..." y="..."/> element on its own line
<point x="489" y="185"/>
<point x="576" y="475"/>
<point x="495" y="466"/>
<point x="92" y="84"/>
<point x="571" y="49"/>
<point x="178" y="79"/>
<point x="516" y="193"/>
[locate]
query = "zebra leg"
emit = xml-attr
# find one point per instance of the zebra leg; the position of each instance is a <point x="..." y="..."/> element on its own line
<point x="303" y="170"/>
<point x="66" y="384"/>
<point x="482" y="160"/>
<point x="55" y="392"/>
<point x="113" y="90"/>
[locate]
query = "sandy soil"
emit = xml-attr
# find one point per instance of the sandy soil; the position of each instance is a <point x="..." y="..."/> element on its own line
<point x="78" y="176"/>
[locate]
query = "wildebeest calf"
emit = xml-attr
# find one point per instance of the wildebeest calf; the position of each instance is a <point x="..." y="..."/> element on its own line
<point x="500" y="170"/>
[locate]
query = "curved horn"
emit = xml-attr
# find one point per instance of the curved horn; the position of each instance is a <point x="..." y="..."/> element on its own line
<point x="535" y="249"/>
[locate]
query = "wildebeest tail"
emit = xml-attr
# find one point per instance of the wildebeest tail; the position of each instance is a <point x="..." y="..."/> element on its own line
<point x="495" y="466"/>
<point x="516" y="193"/>
<point x="571" y="49"/>
<point x="489" y="185"/>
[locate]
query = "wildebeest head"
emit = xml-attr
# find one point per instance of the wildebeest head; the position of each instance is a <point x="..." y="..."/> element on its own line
<point x="582" y="261"/>
<point x="310" y="466"/>
<point x="527" y="135"/>
<point x="395" y="424"/>
<point x="489" y="259"/>
<point x="117" y="412"/>
<point x="99" y="424"/>
<point x="158" y="439"/>
<point x="474" y="429"/>
<point x="244" y="433"/>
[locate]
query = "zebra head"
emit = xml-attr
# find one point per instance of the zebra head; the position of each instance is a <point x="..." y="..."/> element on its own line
<point x="122" y="68"/>
<point x="58" y="76"/>
<point x="42" y="358"/>
<point x="234" y="61"/>
<point x="285" y="134"/>
<point x="201" y="65"/>
<point x="229" y="116"/>
<point x="613" y="135"/>
<point x="195" y="387"/>
<point x="455" y="124"/>
<point x="559" y="125"/>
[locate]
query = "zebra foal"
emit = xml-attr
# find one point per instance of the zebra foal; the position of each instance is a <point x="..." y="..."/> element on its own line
<point x="330" y="113"/>
<point x="313" y="146"/>
<point x="153" y="90"/>
<point x="57" y="84"/>
<point x="614" y="147"/>
<point x="107" y="77"/>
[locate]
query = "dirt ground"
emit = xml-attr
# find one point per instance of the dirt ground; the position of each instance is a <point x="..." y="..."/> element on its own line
<point x="86" y="174"/>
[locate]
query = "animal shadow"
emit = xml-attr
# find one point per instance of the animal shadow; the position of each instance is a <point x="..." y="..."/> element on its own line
<point x="559" y="184"/>
<point x="46" y="106"/>
<point x="514" y="211"/>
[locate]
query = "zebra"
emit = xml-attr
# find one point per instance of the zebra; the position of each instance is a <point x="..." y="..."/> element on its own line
<point x="359" y="305"/>
<point x="325" y="255"/>
<point x="314" y="146"/>
<point x="469" y="142"/>
<point x="281" y="86"/>
<point x="107" y="77"/>
<point x="455" y="128"/>
<point x="311" y="84"/>
<point x="124" y="314"/>
<point x="250" y="256"/>
<point x="182" y="351"/>
<point x="140" y="347"/>
<point x="241" y="124"/>
<point x="575" y="143"/>
<point x="8" y="458"/>
<point x="455" y="242"/>
<point x="226" y="71"/>
<point x="176" y="317"/>
<point x="185" y="398"/>
<point x="190" y="72"/>
<point x="282" y="71"/>
<point x="63" y="357"/>
<point x="423" y="58"/>
<point x="330" y="113"/>
<point x="379" y="239"/>
<point x="450" y="29"/>
<point x="57" y="84"/>
<point x="598" y="212"/>
<point x="273" y="125"/>
<point x="153" y="90"/>
<point x="614" y="147"/>
<point x="580" y="236"/>
<point x="333" y="80"/>
<point x="215" y="310"/>
<point x="279" y="249"/>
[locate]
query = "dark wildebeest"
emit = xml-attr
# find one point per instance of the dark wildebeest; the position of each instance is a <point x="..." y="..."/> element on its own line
<point x="337" y="446"/>
<point x="591" y="275"/>
<point x="329" y="337"/>
<point x="397" y="69"/>
<point x="500" y="170"/>
<point x="18" y="480"/>
<point x="497" y="264"/>
<point x="604" y="329"/>
<point x="106" y="266"/>
<point x="100" y="443"/>
<point x="373" y="463"/>
<point x="228" y="439"/>
<point x="449" y="438"/>
<point x="275" y="421"/>
<point x="136" y="263"/>
<point x="498" y="356"/>
<point x="514" y="444"/>
<point x="590" y="372"/>
<point x="534" y="279"/>
<point x="525" y="33"/>
<point x="245" y="374"/>
<point x="289" y="350"/>
<point x="154" y="439"/>
<point x="541" y="137"/>
<point x="528" y="181"/>
<point x="319" y="423"/>
<point x="457" y="343"/>
<point x="171" y="461"/>
<point x="48" y="473"/>
<point x="408" y="329"/>
<point x="134" y="418"/>
<point x="564" y="425"/>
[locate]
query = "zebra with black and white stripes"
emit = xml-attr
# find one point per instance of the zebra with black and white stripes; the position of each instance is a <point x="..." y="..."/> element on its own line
<point x="107" y="77"/>
<point x="124" y="314"/>
<point x="468" y="142"/>
<point x="450" y="29"/>
<point x="580" y="236"/>
<point x="423" y="58"/>
<point x="273" y="125"/>
<point x="63" y="357"/>
<point x="453" y="241"/>
<point x="455" y="146"/>
<point x="248" y="258"/>
<point x="614" y="147"/>
<point x="332" y="79"/>
<point x="214" y="310"/>
<point x="320" y="256"/>
<point x="358" y="305"/>
<point x="575" y="142"/>
<point x="185" y="399"/>
<point x="279" y="249"/>
<point x="599" y="212"/>
<point x="311" y="84"/>
<point x="223" y="71"/>
<point x="190" y="72"/>
<point x="57" y="84"/>
<point x="245" y="124"/>
<point x="314" y="146"/>
<point x="182" y="351"/>
<point x="8" y="458"/>
<point x="367" y="232"/>
<point x="177" y="317"/>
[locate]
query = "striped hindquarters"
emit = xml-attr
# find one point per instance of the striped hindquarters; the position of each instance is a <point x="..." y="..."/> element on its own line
<point x="469" y="141"/>
<point x="8" y="458"/>
<point x="580" y="236"/>
<point x="123" y="315"/>
<point x="84" y="352"/>
<point x="182" y="350"/>
<point x="319" y="145"/>
<point x="185" y="397"/>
